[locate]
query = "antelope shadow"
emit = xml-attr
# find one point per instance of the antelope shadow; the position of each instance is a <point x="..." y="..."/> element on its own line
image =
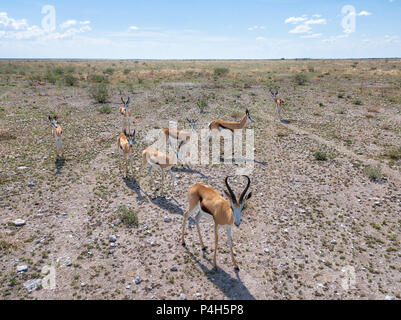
<point x="167" y="205"/>
<point x="187" y="169"/>
<point x="59" y="163"/>
<point x="133" y="185"/>
<point x="232" y="288"/>
<point x="239" y="160"/>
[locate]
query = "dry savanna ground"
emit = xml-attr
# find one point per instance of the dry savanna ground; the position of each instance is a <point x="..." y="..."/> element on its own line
<point x="323" y="223"/>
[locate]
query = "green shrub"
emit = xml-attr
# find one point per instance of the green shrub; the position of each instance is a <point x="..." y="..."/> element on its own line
<point x="394" y="154"/>
<point x="58" y="71"/>
<point x="320" y="156"/>
<point x="51" y="77"/>
<point x="202" y="104"/>
<point x="128" y="216"/>
<point x="221" y="71"/>
<point x="357" y="102"/>
<point x="70" y="69"/>
<point x="105" y="109"/>
<point x="301" y="79"/>
<point x="109" y="71"/>
<point x="127" y="71"/>
<point x="97" y="78"/>
<point x="70" y="80"/>
<point x="373" y="173"/>
<point x="99" y="92"/>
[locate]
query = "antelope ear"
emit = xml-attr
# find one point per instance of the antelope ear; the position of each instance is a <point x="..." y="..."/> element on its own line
<point x="249" y="196"/>
<point x="50" y="119"/>
<point x="56" y="118"/>
<point x="125" y="132"/>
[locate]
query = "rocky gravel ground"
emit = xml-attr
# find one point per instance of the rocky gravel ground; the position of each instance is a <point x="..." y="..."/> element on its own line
<point x="315" y="228"/>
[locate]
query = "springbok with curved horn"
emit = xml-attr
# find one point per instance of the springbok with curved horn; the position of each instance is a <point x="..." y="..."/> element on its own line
<point x="159" y="160"/>
<point x="219" y="125"/>
<point x="125" y="115"/>
<point x="125" y="142"/>
<point x="57" y="131"/>
<point x="205" y="201"/>
<point x="278" y="101"/>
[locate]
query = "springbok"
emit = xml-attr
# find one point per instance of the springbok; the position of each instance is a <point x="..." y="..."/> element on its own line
<point x="205" y="201"/>
<point x="41" y="83"/>
<point x="278" y="101"/>
<point x="157" y="159"/>
<point x="57" y="131"/>
<point x="219" y="125"/>
<point x="180" y="136"/>
<point x="125" y="115"/>
<point x="125" y="142"/>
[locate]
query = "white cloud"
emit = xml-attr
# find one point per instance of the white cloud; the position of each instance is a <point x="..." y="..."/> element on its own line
<point x="294" y="20"/>
<point x="302" y="28"/>
<point x="364" y="13"/>
<point x="21" y="30"/>
<point x="68" y="23"/>
<point x="13" y="24"/>
<point x="133" y="28"/>
<point x="304" y="25"/>
<point x="312" y="36"/>
<point x="316" y="21"/>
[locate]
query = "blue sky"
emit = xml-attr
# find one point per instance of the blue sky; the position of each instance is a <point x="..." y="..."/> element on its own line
<point x="194" y="29"/>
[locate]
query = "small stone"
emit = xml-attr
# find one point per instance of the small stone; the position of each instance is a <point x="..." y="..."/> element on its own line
<point x="32" y="285"/>
<point x="68" y="264"/>
<point x="128" y="287"/>
<point x="22" y="269"/>
<point x="198" y="295"/>
<point x="166" y="219"/>
<point x="183" y="297"/>
<point x="83" y="284"/>
<point x="174" y="269"/>
<point x="389" y="298"/>
<point x="22" y="168"/>
<point x="112" y="238"/>
<point x="19" y="222"/>
<point x="333" y="242"/>
<point x="286" y="230"/>
<point x="137" y="280"/>
<point x="31" y="184"/>
<point x="371" y="254"/>
<point x="301" y="211"/>
<point x="266" y="250"/>
<point x="111" y="251"/>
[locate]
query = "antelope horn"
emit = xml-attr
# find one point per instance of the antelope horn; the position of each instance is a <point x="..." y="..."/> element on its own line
<point x="246" y="190"/>
<point x="122" y="100"/>
<point x="231" y="191"/>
